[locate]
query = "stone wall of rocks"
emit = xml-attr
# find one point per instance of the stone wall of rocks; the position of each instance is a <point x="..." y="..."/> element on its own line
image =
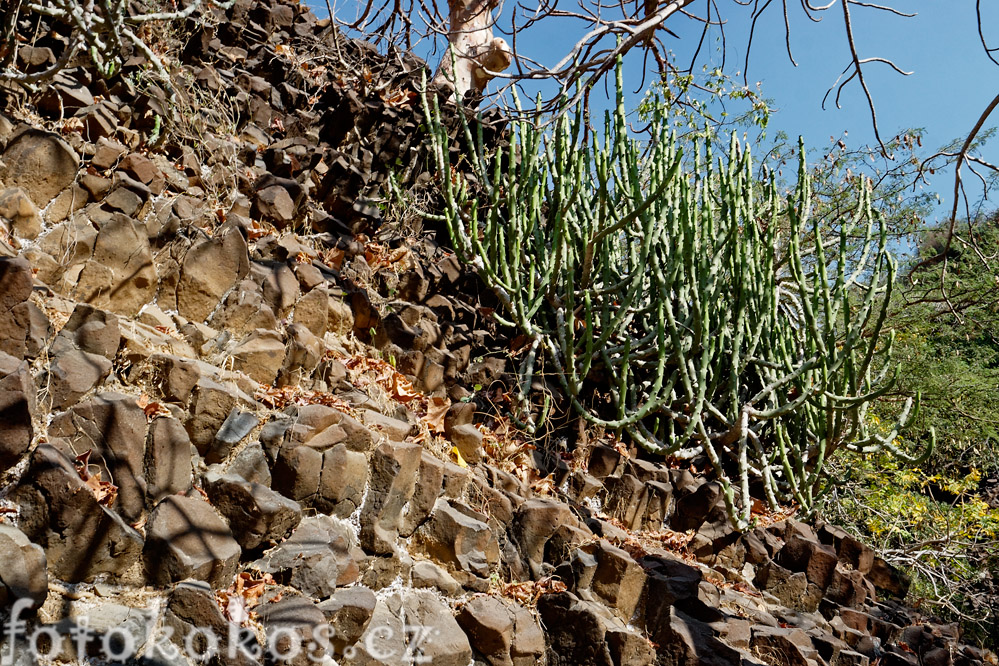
<point x="197" y="434"/>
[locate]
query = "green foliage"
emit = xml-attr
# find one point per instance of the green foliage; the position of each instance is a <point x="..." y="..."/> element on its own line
<point x="933" y="519"/>
<point x="698" y="300"/>
<point x="950" y="547"/>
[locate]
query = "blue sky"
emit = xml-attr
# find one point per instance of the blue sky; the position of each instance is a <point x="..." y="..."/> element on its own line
<point x="952" y="79"/>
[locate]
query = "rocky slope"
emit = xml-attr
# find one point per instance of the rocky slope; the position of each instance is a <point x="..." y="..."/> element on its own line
<point x="229" y="419"/>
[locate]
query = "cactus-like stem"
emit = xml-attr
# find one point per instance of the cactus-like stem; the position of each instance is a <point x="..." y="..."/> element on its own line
<point x="721" y="317"/>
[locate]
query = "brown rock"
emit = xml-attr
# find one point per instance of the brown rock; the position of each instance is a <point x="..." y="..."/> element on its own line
<point x="468" y="439"/>
<point x="393" y="479"/>
<point x="275" y="204"/>
<point x="23" y="575"/>
<point x="186" y="539"/>
<point x="816" y="560"/>
<point x="584" y="632"/>
<point x="281" y="290"/>
<point x="113" y="427"/>
<point x="16" y="282"/>
<point x="82" y="539"/>
<point x="124" y="199"/>
<point x="17" y="408"/>
<point x="260" y="355"/>
<point x="888" y="579"/>
<point x="349" y="611"/>
<point x="536" y="522"/>
<point x="312" y="311"/>
<point x="394" y="429"/>
<point x="456" y="538"/>
<point x="209" y="270"/>
<point x="108" y="153"/>
<point x="120" y="276"/>
<point x="304" y="350"/>
<point x="504" y="634"/>
<point x="211" y="404"/>
<point x="21" y="212"/>
<point x="91" y="330"/>
<point x="297" y="472"/>
<point x="74" y="373"/>
<point x="340" y="317"/>
<point x="143" y="169"/>
<point x="617" y="580"/>
<point x="429" y="487"/>
<point x="342" y="481"/>
<point x="316" y="559"/>
<point x="257" y="516"/>
<point x="292" y="625"/>
<point x="40" y="163"/>
<point x="244" y="310"/>
<point x="776" y="646"/>
<point x="97" y="186"/>
<point x="168" y="464"/>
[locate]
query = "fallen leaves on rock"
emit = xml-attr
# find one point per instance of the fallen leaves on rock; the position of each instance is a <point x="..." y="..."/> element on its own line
<point x="104" y="491"/>
<point x="429" y="409"/>
<point x="243" y="595"/>
<point x="152" y="409"/>
<point x="529" y="592"/>
<point x="280" y="397"/>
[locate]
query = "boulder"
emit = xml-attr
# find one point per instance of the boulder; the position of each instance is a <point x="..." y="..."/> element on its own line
<point x="260" y="355"/>
<point x="280" y="289"/>
<point x="316" y="559"/>
<point x="120" y="276"/>
<point x="211" y="404"/>
<point x="40" y="163"/>
<point x="535" y="524"/>
<point x="23" y="575"/>
<point x="168" y="461"/>
<point x="349" y="611"/>
<point x="275" y="204"/>
<point x="503" y="634"/>
<point x="185" y="538"/>
<point x="468" y="439"/>
<point x="91" y="330"/>
<point x="82" y="538"/>
<point x="257" y="515"/>
<point x="72" y="374"/>
<point x="393" y="480"/>
<point x="113" y="427"/>
<point x="21" y="212"/>
<point x="192" y="608"/>
<point x="584" y="633"/>
<point x="244" y="310"/>
<point x="342" y="480"/>
<point x="296" y="630"/>
<point x="312" y="311"/>
<point x="407" y="626"/>
<point x="208" y="272"/>
<point x="16" y="282"/>
<point x="456" y="538"/>
<point x="17" y="411"/>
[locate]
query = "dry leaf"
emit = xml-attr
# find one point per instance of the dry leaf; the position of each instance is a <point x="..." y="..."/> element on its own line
<point x="155" y="409"/>
<point x="242" y="595"/>
<point x="436" y="411"/>
<point x="105" y="491"/>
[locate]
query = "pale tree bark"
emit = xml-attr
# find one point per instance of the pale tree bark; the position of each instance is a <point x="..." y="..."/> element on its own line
<point x="474" y="52"/>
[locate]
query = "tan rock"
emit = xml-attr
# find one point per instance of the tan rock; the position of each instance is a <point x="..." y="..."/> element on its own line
<point x="208" y="272"/>
<point x="260" y="355"/>
<point x="17" y="207"/>
<point x="39" y="162"/>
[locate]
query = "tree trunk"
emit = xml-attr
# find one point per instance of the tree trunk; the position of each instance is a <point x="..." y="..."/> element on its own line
<point x="476" y="51"/>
